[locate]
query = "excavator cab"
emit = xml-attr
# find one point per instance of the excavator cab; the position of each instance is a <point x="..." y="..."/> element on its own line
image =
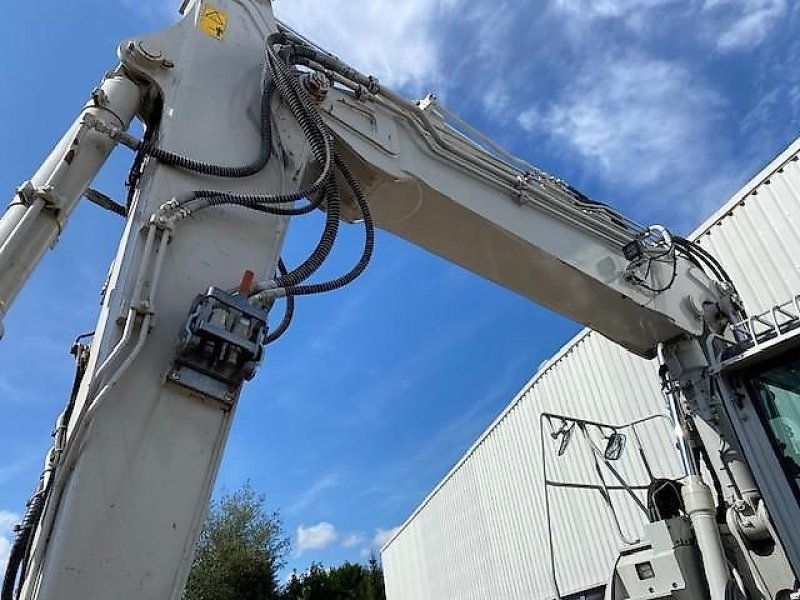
<point x="774" y="389"/>
<point x="758" y="379"/>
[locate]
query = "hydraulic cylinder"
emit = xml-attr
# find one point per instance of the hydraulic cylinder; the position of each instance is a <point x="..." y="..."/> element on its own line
<point x="41" y="207"/>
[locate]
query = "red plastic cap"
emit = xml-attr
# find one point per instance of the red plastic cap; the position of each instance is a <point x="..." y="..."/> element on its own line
<point x="246" y="286"/>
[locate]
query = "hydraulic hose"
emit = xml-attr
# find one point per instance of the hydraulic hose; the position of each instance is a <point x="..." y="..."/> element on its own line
<point x="20" y="548"/>
<point x="283" y="326"/>
<point x="279" y="286"/>
<point x="325" y="189"/>
<point x="303" y="108"/>
<point x="253" y="203"/>
<point x="315" y="132"/>
<point x="25" y="530"/>
<point x="704" y="255"/>
<point x="326" y="242"/>
<point x="366" y="255"/>
<point x="183" y="162"/>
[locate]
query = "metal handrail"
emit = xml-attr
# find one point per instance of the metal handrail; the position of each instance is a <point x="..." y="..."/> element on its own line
<point x="603" y="488"/>
<point x="756" y="331"/>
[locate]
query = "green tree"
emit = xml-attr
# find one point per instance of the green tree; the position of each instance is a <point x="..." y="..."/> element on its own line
<point x="241" y="549"/>
<point x="311" y="585"/>
<point x="376" y="588"/>
<point x="346" y="582"/>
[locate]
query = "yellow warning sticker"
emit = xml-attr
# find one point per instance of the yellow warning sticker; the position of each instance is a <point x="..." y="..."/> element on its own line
<point x="213" y="22"/>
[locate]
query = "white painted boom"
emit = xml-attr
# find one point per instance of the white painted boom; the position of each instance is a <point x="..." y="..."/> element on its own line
<point x="183" y="325"/>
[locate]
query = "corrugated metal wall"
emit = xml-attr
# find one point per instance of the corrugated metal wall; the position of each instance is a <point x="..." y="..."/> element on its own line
<point x="482" y="533"/>
<point x="757" y="234"/>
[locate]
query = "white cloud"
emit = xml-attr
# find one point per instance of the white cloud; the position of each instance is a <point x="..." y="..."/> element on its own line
<point x="743" y="24"/>
<point x="352" y="540"/>
<point x="729" y="25"/>
<point x="382" y="536"/>
<point x="395" y="41"/>
<point x="315" y="537"/>
<point x="314" y="492"/>
<point x="7" y="522"/>
<point x="638" y="16"/>
<point x="634" y="119"/>
<point x="589" y="9"/>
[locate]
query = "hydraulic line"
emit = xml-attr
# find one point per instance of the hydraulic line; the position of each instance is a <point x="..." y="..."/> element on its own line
<point x="209" y="199"/>
<point x="321" y="143"/>
<point x="696" y="253"/>
<point x="315" y="132"/>
<point x="324" y="189"/>
<point x="691" y="249"/>
<point x="24" y="535"/>
<point x="701" y="253"/>
<point x="20" y="548"/>
<point x="366" y="256"/>
<point x="183" y="162"/>
<point x="103" y="201"/>
<point x="326" y="242"/>
<point x="703" y="455"/>
<point x="283" y="327"/>
<point x="712" y="260"/>
<point x="688" y="256"/>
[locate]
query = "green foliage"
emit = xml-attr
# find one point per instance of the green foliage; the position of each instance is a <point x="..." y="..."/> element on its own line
<point x="347" y="582"/>
<point x="241" y="550"/>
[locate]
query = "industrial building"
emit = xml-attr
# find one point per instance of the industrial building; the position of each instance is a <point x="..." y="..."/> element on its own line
<point x="526" y="514"/>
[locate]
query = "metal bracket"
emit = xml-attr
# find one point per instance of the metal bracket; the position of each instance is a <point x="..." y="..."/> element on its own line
<point x="526" y="181"/>
<point x="99" y="97"/>
<point x="146" y="56"/>
<point x="220" y="346"/>
<point x="29" y="193"/>
<point x="317" y="85"/>
<point x="116" y="134"/>
<point x="26" y="192"/>
<point x="428" y="103"/>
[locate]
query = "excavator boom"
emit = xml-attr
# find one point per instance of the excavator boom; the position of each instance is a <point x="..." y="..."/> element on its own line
<point x="247" y="126"/>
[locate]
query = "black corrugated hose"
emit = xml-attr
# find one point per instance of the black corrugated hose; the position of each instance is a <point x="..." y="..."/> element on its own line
<point x="283" y="327"/>
<point x="321" y="143"/>
<point x="182" y="162"/>
<point x="23" y="538"/>
<point x="324" y="190"/>
<point x="366" y="256"/>
<point x="20" y="548"/>
<point x="315" y="132"/>
<point x="705" y="256"/>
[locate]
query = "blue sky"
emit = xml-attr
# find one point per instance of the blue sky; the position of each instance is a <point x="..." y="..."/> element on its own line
<point x="662" y="108"/>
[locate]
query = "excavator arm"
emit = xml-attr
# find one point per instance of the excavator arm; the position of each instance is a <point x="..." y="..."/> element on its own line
<point x="523" y="229"/>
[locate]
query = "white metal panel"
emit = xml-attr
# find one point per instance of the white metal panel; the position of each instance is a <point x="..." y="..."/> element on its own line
<point x="482" y="533"/>
<point x="756" y="235"/>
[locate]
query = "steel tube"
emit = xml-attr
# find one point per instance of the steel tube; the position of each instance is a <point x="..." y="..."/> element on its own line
<point x="676" y="416"/>
<point x="700" y="508"/>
